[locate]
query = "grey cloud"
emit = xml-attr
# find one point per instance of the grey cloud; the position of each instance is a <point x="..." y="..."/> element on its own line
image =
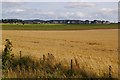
<point x="109" y="10"/>
<point x="80" y="5"/>
<point x="73" y="15"/>
<point x="7" y="5"/>
<point x="104" y="16"/>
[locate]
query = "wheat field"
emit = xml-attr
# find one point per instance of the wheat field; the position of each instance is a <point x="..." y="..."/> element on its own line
<point x="95" y="50"/>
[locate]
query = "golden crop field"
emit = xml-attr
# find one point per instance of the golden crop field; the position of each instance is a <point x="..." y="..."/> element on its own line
<point x="95" y="50"/>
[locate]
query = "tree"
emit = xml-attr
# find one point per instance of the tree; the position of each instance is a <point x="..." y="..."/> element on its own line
<point x="6" y="54"/>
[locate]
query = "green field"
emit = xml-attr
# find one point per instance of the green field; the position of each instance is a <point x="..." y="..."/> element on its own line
<point x="58" y="26"/>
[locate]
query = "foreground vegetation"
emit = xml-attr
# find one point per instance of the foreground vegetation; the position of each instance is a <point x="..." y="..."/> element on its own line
<point x="58" y="26"/>
<point x="45" y="67"/>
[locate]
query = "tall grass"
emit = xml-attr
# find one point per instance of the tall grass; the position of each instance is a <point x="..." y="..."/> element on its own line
<point x="46" y="67"/>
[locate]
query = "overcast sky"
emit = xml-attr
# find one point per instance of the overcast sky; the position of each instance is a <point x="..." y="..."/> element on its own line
<point x="61" y="10"/>
<point x="59" y="0"/>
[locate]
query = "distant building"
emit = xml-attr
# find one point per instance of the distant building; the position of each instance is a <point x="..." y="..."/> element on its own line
<point x="107" y="22"/>
<point x="37" y="21"/>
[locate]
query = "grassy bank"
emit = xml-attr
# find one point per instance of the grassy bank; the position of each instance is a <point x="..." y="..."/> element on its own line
<point x="46" y="67"/>
<point x="58" y="26"/>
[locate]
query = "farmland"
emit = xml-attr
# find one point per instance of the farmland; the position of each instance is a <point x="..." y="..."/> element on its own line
<point x="95" y="49"/>
<point x="58" y="26"/>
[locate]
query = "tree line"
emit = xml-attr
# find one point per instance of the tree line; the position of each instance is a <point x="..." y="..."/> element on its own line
<point x="12" y="21"/>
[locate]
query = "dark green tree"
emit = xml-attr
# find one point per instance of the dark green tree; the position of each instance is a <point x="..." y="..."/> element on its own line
<point x="6" y="54"/>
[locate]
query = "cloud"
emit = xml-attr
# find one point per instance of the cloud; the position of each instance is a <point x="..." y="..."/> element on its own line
<point x="94" y="0"/>
<point x="46" y="13"/>
<point x="17" y="10"/>
<point x="72" y="15"/>
<point x="80" y="5"/>
<point x="60" y="0"/>
<point x="13" y="11"/>
<point x="12" y="5"/>
<point x="108" y="10"/>
<point x="13" y="0"/>
<point x="109" y="14"/>
<point x="80" y="14"/>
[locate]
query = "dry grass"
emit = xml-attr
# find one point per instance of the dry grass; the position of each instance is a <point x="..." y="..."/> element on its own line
<point x="47" y="67"/>
<point x="95" y="50"/>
